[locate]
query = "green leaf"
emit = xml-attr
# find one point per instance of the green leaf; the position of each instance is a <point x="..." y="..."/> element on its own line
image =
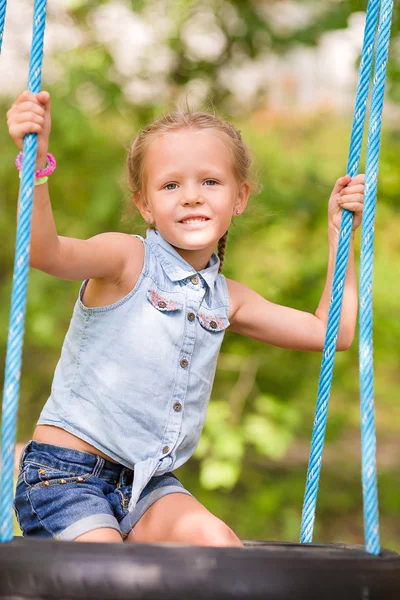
<point x="269" y="438"/>
<point x="217" y="473"/>
<point x="229" y="444"/>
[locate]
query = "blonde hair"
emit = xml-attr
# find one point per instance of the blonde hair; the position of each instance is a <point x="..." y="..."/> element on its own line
<point x="181" y="119"/>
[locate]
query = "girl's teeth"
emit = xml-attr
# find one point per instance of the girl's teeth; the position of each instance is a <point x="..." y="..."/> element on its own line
<point x="194" y="221"/>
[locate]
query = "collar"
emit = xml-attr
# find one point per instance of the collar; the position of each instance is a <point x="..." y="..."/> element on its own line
<point x="176" y="267"/>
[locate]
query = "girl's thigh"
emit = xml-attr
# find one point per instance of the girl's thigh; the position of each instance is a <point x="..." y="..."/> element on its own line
<point x="100" y="535"/>
<point x="182" y="519"/>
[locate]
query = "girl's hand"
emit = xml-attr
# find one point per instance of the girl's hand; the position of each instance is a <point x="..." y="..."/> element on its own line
<point x="348" y="193"/>
<point x="30" y="113"/>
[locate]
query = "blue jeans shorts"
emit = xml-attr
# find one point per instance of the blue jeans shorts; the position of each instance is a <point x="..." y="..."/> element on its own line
<point x="63" y="493"/>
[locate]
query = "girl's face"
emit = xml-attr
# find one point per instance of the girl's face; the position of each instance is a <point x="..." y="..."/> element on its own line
<point x="190" y="172"/>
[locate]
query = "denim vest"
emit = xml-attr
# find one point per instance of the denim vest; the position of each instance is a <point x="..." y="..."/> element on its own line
<point x="135" y="377"/>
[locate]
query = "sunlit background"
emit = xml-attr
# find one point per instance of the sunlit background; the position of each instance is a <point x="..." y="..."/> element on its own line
<point x="284" y="72"/>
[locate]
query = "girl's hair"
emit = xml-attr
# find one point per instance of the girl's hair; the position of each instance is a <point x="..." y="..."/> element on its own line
<point x="181" y="119"/>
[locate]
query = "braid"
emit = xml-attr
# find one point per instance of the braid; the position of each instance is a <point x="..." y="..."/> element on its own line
<point x="221" y="250"/>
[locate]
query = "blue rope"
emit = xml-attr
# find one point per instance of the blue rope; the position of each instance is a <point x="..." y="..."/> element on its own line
<point x="368" y="437"/>
<point x="18" y="298"/>
<point x="325" y="381"/>
<point x="368" y="445"/>
<point x="3" y="6"/>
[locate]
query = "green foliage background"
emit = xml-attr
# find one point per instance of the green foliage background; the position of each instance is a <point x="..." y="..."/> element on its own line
<point x="250" y="465"/>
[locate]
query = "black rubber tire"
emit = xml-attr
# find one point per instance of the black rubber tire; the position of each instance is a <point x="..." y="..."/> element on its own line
<point x="49" y="570"/>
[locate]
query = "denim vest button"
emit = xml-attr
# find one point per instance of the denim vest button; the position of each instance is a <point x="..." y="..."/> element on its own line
<point x="177" y="407"/>
<point x="165" y="449"/>
<point x="184" y="363"/>
<point x="213" y="325"/>
<point x="195" y="279"/>
<point x="191" y="316"/>
<point x="162" y="304"/>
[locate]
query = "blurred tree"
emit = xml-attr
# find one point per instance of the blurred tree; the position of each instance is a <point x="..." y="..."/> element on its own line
<point x="204" y="47"/>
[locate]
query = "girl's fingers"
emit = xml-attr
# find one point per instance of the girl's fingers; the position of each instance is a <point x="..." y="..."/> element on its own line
<point x="355" y="207"/>
<point x="341" y="183"/>
<point x="28" y="114"/>
<point x="26" y="107"/>
<point x="348" y="182"/>
<point x="26" y="111"/>
<point x="358" y="179"/>
<point x="39" y="99"/>
<point x="19" y="131"/>
<point x="351" y="197"/>
<point x="353" y="189"/>
<point x="349" y="200"/>
<point x="29" y="117"/>
<point x="43" y="97"/>
<point x="25" y="96"/>
<point x="31" y="107"/>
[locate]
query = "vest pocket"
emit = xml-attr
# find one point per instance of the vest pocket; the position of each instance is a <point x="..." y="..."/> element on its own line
<point x="164" y="301"/>
<point x="213" y="319"/>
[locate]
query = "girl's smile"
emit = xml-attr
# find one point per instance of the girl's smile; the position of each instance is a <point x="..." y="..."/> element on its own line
<point x="195" y="221"/>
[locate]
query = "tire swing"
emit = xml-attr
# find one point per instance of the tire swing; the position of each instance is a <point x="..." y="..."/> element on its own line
<point x="46" y="570"/>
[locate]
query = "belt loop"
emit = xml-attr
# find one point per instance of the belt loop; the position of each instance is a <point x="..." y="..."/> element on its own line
<point x="24" y="452"/>
<point x="98" y="466"/>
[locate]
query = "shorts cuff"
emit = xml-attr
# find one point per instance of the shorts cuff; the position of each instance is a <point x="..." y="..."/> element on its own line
<point x="88" y="524"/>
<point x="129" y="522"/>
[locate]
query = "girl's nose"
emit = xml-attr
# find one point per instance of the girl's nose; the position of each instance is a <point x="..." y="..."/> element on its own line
<point x="193" y="200"/>
<point x="192" y="195"/>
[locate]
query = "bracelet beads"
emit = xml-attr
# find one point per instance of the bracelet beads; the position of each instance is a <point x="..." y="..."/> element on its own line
<point x="48" y="170"/>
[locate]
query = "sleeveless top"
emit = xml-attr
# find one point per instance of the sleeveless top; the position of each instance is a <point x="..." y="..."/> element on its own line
<point x="135" y="377"/>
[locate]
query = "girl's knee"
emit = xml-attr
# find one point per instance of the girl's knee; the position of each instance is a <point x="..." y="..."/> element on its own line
<point x="207" y="532"/>
<point x="179" y="518"/>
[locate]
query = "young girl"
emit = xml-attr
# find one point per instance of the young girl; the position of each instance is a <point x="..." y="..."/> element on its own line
<point x="131" y="389"/>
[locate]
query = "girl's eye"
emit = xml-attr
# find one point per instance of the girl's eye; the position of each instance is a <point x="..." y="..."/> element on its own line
<point x="207" y="182"/>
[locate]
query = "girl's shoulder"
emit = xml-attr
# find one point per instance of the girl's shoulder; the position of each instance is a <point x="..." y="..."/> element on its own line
<point x="236" y="291"/>
<point x="102" y="292"/>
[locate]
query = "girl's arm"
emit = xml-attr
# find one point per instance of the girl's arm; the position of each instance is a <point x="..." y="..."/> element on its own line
<point x="254" y="316"/>
<point x="103" y="256"/>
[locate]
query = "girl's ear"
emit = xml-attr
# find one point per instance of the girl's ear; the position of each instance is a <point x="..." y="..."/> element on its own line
<point x="136" y="200"/>
<point x="141" y="203"/>
<point x="243" y="196"/>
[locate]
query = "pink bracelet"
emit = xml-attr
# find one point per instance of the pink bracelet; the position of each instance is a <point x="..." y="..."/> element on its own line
<point x="50" y="166"/>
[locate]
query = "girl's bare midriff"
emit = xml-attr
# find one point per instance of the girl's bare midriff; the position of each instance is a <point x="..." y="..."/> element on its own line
<point x="48" y="434"/>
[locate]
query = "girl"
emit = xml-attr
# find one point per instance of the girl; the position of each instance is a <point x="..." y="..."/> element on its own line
<point x="130" y="391"/>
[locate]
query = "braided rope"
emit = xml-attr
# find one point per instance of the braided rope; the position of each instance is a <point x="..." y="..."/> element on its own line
<point x="368" y="436"/>
<point x="3" y="6"/>
<point x="325" y="381"/>
<point x="18" y="298"/>
<point x="369" y="444"/>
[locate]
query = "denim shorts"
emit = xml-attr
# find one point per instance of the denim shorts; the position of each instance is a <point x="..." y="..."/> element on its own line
<point x="63" y="493"/>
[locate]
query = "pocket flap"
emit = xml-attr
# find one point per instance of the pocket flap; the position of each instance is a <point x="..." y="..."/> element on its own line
<point x="213" y="319"/>
<point x="163" y="301"/>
